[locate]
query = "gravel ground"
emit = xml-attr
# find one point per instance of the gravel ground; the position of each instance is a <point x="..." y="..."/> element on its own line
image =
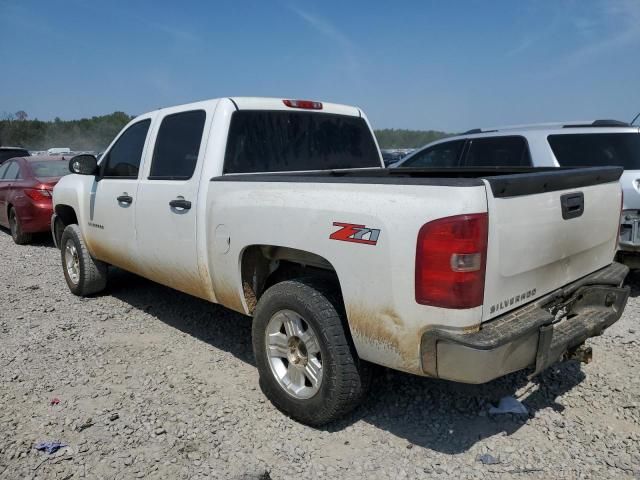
<point x="154" y="383"/>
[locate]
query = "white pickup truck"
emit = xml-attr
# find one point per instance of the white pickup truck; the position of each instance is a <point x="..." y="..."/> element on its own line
<point x="279" y="209"/>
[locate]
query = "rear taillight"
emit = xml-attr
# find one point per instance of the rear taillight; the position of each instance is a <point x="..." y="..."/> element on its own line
<point x="38" y="194"/>
<point x="305" y="104"/>
<point x="451" y="257"/>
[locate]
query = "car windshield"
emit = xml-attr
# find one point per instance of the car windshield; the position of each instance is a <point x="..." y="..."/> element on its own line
<point x="593" y="149"/>
<point x="49" y="168"/>
<point x="6" y="154"/>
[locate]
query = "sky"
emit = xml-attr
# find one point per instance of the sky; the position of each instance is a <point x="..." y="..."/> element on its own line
<point x="421" y="65"/>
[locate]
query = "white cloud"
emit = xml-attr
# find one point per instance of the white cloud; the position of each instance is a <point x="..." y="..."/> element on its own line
<point x="176" y="33"/>
<point x="622" y="21"/>
<point x="347" y="47"/>
<point x="611" y="24"/>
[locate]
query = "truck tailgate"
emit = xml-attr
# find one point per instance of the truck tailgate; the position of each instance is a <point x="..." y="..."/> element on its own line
<point x="547" y="229"/>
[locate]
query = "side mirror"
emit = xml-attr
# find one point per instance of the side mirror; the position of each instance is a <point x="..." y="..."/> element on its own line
<point x="84" y="164"/>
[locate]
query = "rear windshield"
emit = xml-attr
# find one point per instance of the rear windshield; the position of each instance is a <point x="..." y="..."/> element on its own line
<point x="49" y="168"/>
<point x="593" y="149"/>
<point x="279" y="141"/>
<point x="7" y="154"/>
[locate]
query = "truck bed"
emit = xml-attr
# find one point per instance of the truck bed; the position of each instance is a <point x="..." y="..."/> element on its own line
<point x="532" y="249"/>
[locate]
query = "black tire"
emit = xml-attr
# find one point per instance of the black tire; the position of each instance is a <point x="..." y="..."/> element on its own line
<point x="17" y="234"/>
<point x="345" y="378"/>
<point x="91" y="273"/>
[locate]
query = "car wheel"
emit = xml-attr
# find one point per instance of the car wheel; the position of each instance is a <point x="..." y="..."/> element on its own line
<point x="308" y="367"/>
<point x="84" y="274"/>
<point x="17" y="234"/>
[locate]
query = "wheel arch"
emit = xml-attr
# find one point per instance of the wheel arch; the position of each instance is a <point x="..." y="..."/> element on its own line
<point x="64" y="215"/>
<point x="262" y="266"/>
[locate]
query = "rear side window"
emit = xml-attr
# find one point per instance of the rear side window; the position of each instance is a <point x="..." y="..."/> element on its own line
<point x="443" y="155"/>
<point x="123" y="160"/>
<point x="177" y="146"/>
<point x="510" y="151"/>
<point x="280" y="141"/>
<point x="13" y="171"/>
<point x="6" y="154"/>
<point x="594" y="149"/>
<point x="3" y="168"/>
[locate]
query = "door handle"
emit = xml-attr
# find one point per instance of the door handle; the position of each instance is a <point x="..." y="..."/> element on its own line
<point x="572" y="205"/>
<point x="180" y="203"/>
<point x="125" y="199"/>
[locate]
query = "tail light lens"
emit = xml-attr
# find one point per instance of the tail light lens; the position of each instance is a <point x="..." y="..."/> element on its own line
<point x="38" y="194"/>
<point x="451" y="257"/>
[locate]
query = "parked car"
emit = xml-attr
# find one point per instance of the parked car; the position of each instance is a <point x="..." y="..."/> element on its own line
<point x="574" y="144"/>
<point x="26" y="184"/>
<point x="391" y="156"/>
<point x="59" y="151"/>
<point x="11" y="152"/>
<point x="279" y="209"/>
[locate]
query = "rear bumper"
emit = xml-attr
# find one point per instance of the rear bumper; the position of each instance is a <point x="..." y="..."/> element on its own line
<point x="630" y="231"/>
<point x="35" y="216"/>
<point x="536" y="335"/>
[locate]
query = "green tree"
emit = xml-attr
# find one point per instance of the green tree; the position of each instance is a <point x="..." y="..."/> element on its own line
<point x="93" y="133"/>
<point x="398" y="138"/>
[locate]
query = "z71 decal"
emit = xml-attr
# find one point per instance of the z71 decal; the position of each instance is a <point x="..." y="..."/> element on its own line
<point x="350" y="232"/>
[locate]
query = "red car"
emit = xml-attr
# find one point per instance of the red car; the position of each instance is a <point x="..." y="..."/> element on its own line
<point x="26" y="184"/>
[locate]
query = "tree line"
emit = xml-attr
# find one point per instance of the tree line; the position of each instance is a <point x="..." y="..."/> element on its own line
<point x="398" y="138"/>
<point x="93" y="133"/>
<point x="96" y="133"/>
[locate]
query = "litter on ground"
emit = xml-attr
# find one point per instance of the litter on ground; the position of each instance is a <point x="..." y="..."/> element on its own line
<point x="49" y="447"/>
<point x="509" y="404"/>
<point x="488" y="459"/>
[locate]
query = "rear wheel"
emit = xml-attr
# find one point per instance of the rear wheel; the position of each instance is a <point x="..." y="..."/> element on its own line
<point x="84" y="274"/>
<point x="307" y="366"/>
<point x="17" y="234"/>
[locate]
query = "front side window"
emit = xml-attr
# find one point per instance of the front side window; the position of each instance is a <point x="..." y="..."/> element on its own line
<point x="443" y="155"/>
<point x="177" y="146"/>
<point x="509" y="151"/>
<point x="280" y="141"/>
<point x="123" y="160"/>
<point x="595" y="149"/>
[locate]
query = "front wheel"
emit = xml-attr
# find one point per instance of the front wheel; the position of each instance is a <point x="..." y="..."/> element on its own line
<point x="84" y="274"/>
<point x="307" y="367"/>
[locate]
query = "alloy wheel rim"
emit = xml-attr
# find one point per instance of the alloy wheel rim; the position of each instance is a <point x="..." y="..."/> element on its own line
<point x="72" y="262"/>
<point x="294" y="355"/>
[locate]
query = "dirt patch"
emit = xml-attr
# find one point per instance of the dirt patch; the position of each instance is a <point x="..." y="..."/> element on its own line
<point x="228" y="296"/>
<point x="383" y="329"/>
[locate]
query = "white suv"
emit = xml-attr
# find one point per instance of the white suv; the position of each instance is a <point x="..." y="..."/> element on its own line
<point x="574" y="144"/>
